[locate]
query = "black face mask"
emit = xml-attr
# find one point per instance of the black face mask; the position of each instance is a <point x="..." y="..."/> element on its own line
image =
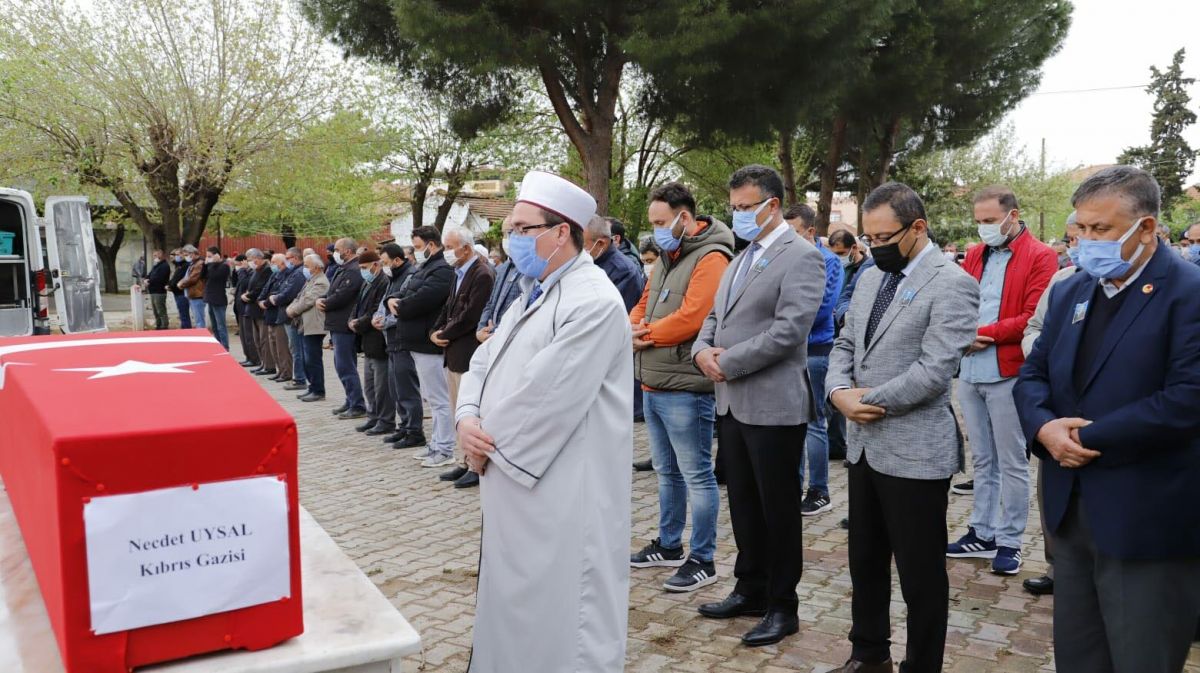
<point x="888" y="257"/>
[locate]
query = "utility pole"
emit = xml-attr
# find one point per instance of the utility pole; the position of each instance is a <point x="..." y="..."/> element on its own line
<point x="1041" y="203"/>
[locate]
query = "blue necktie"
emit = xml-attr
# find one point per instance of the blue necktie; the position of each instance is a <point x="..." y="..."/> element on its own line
<point x="883" y="300"/>
<point x="743" y="270"/>
<point x="533" y="296"/>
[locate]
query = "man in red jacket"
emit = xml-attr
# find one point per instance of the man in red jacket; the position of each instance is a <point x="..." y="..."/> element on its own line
<point x="1013" y="269"/>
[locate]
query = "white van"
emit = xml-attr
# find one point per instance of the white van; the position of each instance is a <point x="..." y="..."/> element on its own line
<point x="70" y="270"/>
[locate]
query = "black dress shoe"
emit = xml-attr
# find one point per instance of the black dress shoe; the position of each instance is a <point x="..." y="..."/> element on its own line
<point x="277" y="377"/>
<point x="341" y="410"/>
<point x="256" y="370"/>
<point x="351" y="414"/>
<point x="312" y="398"/>
<point x="395" y="437"/>
<point x="735" y="605"/>
<point x="1039" y="586"/>
<point x="853" y="666"/>
<point x="467" y="480"/>
<point x="377" y="431"/>
<point x="773" y="628"/>
<point x="643" y="466"/>
<point x="455" y="474"/>
<point x="265" y="372"/>
<point x="293" y="385"/>
<point x="411" y="441"/>
<point x="364" y="427"/>
<point x="247" y="363"/>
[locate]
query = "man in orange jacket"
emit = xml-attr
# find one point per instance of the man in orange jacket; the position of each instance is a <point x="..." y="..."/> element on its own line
<point x="678" y="400"/>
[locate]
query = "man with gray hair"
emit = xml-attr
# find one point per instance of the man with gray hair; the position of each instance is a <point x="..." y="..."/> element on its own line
<point x="454" y="330"/>
<point x="1099" y="399"/>
<point x="627" y="276"/>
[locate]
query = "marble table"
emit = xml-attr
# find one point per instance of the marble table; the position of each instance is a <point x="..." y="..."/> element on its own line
<point x="349" y="627"/>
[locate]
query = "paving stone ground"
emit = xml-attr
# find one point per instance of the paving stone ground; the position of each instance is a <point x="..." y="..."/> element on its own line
<point x="418" y="541"/>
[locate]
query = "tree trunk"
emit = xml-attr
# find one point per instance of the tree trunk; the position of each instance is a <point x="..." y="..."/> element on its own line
<point x="887" y="152"/>
<point x="596" y="155"/>
<point x="788" y="166"/>
<point x="288" y="234"/>
<point x="833" y="158"/>
<point x="108" y="257"/>
<point x="456" y="177"/>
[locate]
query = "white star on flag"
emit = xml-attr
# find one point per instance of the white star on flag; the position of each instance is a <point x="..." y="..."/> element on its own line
<point x="136" y="367"/>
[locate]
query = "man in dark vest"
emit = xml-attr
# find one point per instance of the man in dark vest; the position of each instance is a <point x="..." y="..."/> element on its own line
<point x="677" y="399"/>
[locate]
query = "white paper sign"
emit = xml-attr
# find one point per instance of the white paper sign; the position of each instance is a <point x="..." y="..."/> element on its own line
<point x="177" y="553"/>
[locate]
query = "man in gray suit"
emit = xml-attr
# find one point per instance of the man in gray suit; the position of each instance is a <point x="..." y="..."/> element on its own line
<point x="753" y="346"/>
<point x="910" y="321"/>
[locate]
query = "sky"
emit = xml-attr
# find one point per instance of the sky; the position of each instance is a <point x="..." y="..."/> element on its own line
<point x="1111" y="43"/>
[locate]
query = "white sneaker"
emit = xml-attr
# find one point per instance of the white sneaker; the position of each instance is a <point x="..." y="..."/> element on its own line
<point x="422" y="453"/>
<point x="438" y="461"/>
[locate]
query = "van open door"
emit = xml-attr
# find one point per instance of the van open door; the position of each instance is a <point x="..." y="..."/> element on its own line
<point x="74" y="266"/>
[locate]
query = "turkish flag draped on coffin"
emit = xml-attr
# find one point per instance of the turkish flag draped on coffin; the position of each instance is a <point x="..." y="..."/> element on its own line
<point x="87" y="417"/>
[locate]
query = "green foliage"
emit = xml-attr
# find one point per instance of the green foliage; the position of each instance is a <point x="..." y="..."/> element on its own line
<point x="320" y="184"/>
<point x="1168" y="157"/>
<point x="947" y="180"/>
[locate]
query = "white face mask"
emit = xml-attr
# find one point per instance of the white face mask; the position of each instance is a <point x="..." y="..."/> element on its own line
<point x="504" y="246"/>
<point x="992" y="234"/>
<point x="387" y="271"/>
<point x="337" y="257"/>
<point x="451" y="257"/>
<point x="421" y="255"/>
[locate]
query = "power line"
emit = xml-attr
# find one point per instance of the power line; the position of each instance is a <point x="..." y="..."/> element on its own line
<point x="1105" y="88"/>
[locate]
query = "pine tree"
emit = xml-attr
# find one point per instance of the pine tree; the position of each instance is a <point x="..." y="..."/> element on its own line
<point x="1168" y="157"/>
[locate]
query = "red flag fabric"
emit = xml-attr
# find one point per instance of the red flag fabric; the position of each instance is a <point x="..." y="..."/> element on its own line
<point x="93" y="415"/>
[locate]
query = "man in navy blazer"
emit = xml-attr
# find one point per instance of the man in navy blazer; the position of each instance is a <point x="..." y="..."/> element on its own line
<point x="1099" y="399"/>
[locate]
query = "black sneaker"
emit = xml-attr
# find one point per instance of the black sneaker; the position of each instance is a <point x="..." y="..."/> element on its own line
<point x="691" y="576"/>
<point x="965" y="488"/>
<point x="654" y="555"/>
<point x="815" y="503"/>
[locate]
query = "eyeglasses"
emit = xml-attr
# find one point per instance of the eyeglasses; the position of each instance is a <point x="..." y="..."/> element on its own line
<point x="744" y="208"/>
<point x="883" y="239"/>
<point x="525" y="229"/>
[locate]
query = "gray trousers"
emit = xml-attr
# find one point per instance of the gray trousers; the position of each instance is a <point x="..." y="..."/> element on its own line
<point x="406" y="391"/>
<point x="432" y="374"/>
<point x="1119" y="616"/>
<point x="158" y="302"/>
<point x="281" y="352"/>
<point x="380" y="407"/>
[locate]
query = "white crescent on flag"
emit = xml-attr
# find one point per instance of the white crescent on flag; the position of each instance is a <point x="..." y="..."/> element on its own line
<point x="128" y="367"/>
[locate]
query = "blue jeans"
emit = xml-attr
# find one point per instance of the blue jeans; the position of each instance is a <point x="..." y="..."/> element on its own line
<point x="816" y="444"/>
<point x="216" y="316"/>
<point x="185" y="316"/>
<point x="314" y="368"/>
<point x="197" y="309"/>
<point x="345" y="363"/>
<point x="680" y="426"/>
<point x="998" y="455"/>
<point x="296" y="344"/>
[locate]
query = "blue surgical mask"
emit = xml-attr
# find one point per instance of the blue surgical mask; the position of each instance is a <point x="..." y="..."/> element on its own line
<point x="289" y="265"/>
<point x="524" y="255"/>
<point x="367" y="275"/>
<point x="1102" y="259"/>
<point x="1194" y="252"/>
<point x="745" y="222"/>
<point x="178" y="259"/>
<point x="274" y="269"/>
<point x="1073" y="253"/>
<point x="307" y="273"/>
<point x="665" y="239"/>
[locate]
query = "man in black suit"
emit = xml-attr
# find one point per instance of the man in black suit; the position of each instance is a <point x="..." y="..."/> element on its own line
<point x="156" y="286"/>
<point x="242" y="274"/>
<point x="260" y="275"/>
<point x="339" y="305"/>
<point x="381" y="410"/>
<point x="403" y="386"/>
<point x="455" y="327"/>
<point x="415" y="306"/>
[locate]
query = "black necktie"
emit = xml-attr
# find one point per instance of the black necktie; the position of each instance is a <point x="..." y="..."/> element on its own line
<point x="882" y="301"/>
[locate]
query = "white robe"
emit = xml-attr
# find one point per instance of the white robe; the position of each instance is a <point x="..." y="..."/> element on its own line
<point x="553" y="389"/>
